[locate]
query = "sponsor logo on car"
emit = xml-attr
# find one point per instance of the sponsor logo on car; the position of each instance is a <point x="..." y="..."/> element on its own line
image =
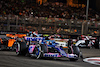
<point x="51" y="54"/>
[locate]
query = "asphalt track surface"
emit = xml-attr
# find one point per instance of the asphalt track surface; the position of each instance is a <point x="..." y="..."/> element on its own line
<point x="9" y="59"/>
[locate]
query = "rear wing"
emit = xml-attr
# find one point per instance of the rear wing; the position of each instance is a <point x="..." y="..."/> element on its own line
<point x="16" y="35"/>
<point x="10" y="35"/>
<point x="20" y="35"/>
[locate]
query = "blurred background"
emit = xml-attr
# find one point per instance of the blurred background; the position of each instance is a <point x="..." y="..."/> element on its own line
<point x="66" y="17"/>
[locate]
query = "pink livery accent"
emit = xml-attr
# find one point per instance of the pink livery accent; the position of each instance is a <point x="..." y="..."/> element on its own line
<point x="59" y="55"/>
<point x="31" y="48"/>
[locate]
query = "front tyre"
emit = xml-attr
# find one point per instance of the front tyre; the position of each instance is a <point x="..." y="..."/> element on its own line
<point x="37" y="51"/>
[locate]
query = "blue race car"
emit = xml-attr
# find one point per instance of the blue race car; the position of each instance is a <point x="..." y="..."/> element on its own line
<point x="38" y="47"/>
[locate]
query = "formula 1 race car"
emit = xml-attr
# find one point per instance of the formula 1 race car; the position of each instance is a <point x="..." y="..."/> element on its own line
<point x="8" y="41"/>
<point x="60" y="40"/>
<point x="38" y="47"/>
<point x="86" y="41"/>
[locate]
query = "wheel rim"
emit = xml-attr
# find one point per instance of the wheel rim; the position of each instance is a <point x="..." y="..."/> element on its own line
<point x="38" y="51"/>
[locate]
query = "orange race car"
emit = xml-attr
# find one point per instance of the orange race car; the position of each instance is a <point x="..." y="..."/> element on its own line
<point x="9" y="41"/>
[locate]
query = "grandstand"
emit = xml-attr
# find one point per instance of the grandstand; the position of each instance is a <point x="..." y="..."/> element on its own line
<point x="49" y="16"/>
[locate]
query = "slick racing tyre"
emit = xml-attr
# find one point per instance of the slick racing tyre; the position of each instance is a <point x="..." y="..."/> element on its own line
<point x="21" y="48"/>
<point x="37" y="52"/>
<point x="75" y="50"/>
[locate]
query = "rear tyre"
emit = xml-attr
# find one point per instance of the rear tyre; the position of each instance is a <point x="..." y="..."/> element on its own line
<point x="75" y="50"/>
<point x="21" y="48"/>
